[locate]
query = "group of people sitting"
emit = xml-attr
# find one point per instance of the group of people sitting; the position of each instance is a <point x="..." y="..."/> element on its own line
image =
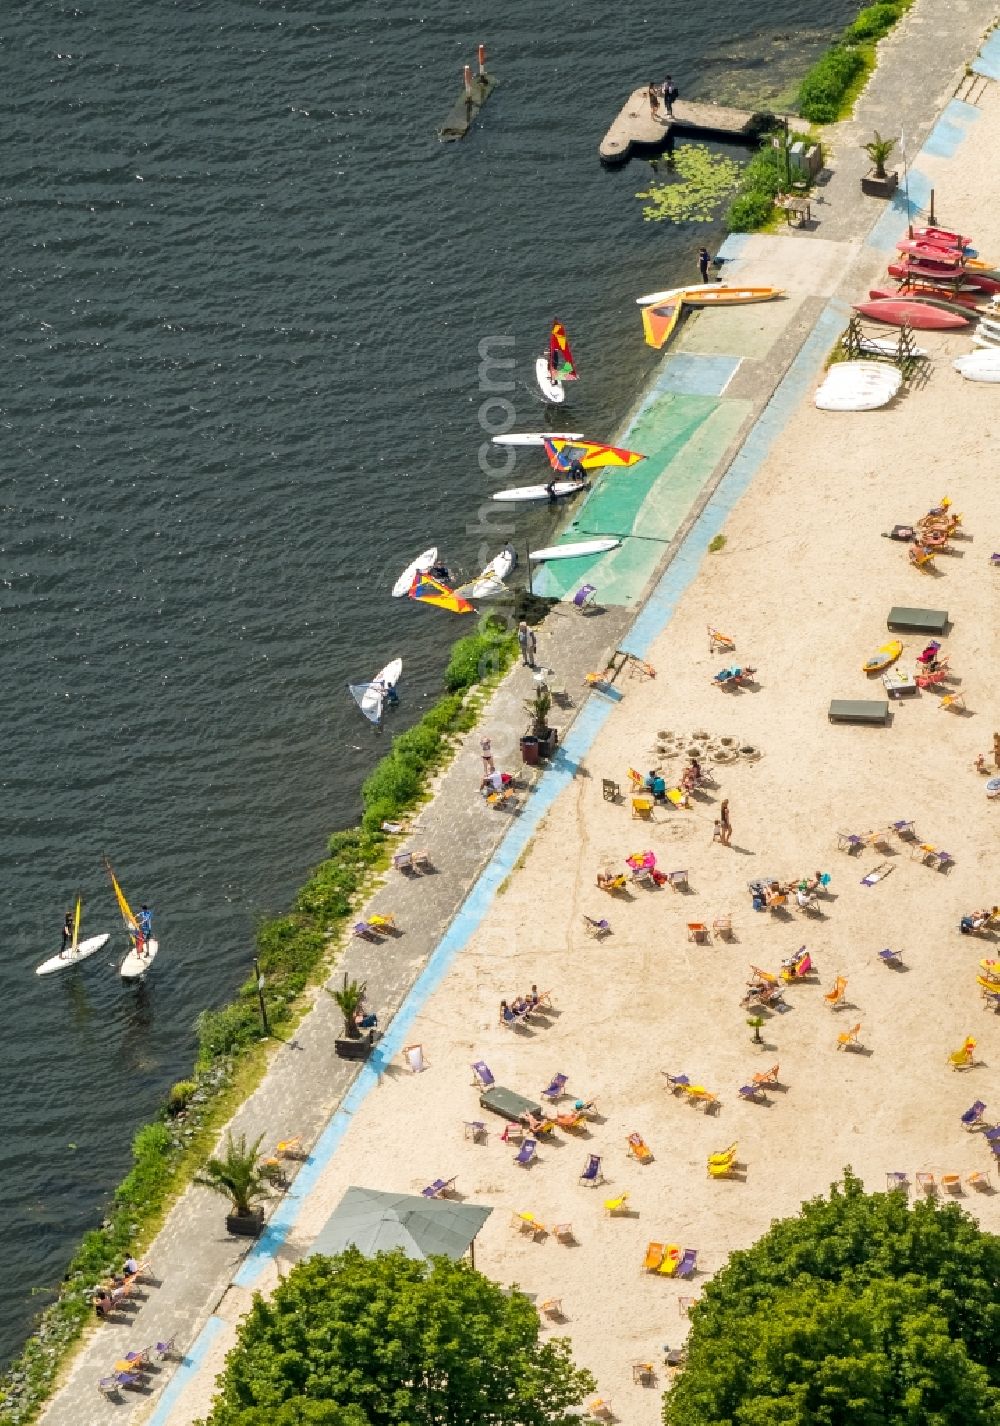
<point x="494" y="782"/>
<point x="979" y="920"/>
<point x="110" y="1296"/>
<point x="522" y="1007"/>
<point x="802" y="890"/>
<point x="691" y="778"/>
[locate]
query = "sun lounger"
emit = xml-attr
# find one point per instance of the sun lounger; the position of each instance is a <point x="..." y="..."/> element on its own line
<point x="903" y="830"/>
<point x="644" y="1373"/>
<point x="363" y="931"/>
<point x="926" y="1182"/>
<point x="723" y="926"/>
<point x="891" y="958"/>
<point x="965" y="1057"/>
<point x="402" y="861"/>
<point x="528" y="1223"/>
<point x="167" y="1351"/>
<point x="572" y="1120"/>
<point x="902" y="619"/>
<point x="653" y="1258"/>
<point x="849" y="842"/>
<point x="698" y="933"/>
<point x="677" y="878"/>
<point x="849" y="1039"/>
<point x="440" y="1188"/>
<point x="873" y="711"/>
<point x="414" y="1057"/>
<point x="602" y="1409"/>
<point x="597" y="929"/>
<point x="724" y="1155"/>
<point x="552" y="1307"/>
<point x="132" y="1381"/>
<point x="555" y="1090"/>
<point x="615" y="1205"/>
<point x="722" y="1169"/>
<point x="688" y="1263"/>
<point x="482" y="1075"/>
<point x="642" y="806"/>
<point x="750" y="1092"/>
<point x="767" y="1076"/>
<point x="108" y="1386"/>
<point x="610" y="789"/>
<point x="953" y="700"/>
<point x="835" y="996"/>
<point x="563" y="1232"/>
<point x="973" y="1116"/>
<point x="475" y="1130"/>
<point x="536" y="1123"/>
<point x="979" y="1179"/>
<point x="591" y="1173"/>
<point x="526" y="1153"/>
<point x="698" y="1094"/>
<point x="951" y="1182"/>
<point x="678" y="1082"/>
<point x="671" y="1257"/>
<point x="895" y="1180"/>
<point x="637" y="1148"/>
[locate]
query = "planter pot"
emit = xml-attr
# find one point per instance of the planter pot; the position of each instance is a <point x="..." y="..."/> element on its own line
<point x="245" y="1225"/>
<point x="547" y="745"/>
<point x="880" y="187"/>
<point x="351" y="1049"/>
<point x="529" y="751"/>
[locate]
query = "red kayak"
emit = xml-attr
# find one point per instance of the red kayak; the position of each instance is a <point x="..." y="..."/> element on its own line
<point x="936" y="296"/>
<point x="899" y="312"/>
<point x="949" y="257"/>
<point x="925" y="270"/>
<point x="941" y="237"/>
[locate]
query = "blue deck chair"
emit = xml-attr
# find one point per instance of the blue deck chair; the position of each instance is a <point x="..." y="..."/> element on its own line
<point x="750" y="1091"/>
<point x="526" y="1153"/>
<point x="891" y="958"/>
<point x="592" y="1171"/>
<point x="973" y="1116"/>
<point x="585" y="597"/>
<point x="108" y="1387"/>
<point x="440" y="1188"/>
<point x="687" y="1264"/>
<point x="484" y="1076"/>
<point x="992" y="1136"/>
<point x="677" y="1081"/>
<point x="555" y="1089"/>
<point x="597" y="928"/>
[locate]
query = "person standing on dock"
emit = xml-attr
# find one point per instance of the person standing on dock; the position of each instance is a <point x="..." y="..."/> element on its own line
<point x="703" y="263"/>
<point x="654" y="103"/>
<point x="670" y="92"/>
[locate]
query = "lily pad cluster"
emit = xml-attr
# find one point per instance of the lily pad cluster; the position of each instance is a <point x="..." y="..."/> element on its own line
<point x="696" y="182"/>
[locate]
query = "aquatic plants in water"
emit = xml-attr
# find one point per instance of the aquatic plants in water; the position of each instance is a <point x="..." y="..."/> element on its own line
<point x="697" y="181"/>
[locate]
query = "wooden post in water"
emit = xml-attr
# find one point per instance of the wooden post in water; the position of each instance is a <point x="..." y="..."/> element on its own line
<point x="482" y="61"/>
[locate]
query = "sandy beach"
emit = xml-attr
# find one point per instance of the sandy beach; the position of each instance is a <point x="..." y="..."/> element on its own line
<point x="803" y="585"/>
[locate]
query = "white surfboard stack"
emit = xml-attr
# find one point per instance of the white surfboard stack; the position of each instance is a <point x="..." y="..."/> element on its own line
<point x="858" y="386"/>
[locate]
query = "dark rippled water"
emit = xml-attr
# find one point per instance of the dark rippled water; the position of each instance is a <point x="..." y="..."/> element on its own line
<point x="243" y="288"/>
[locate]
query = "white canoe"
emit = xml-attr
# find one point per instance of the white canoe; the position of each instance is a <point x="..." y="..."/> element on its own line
<point x="420" y="565"/>
<point x="858" y="386"/>
<point x="550" y="389"/>
<point x="70" y="957"/>
<point x="982" y="365"/>
<point x="574" y="550"/>
<point x="386" y="678"/>
<point x="540" y="492"/>
<point x="134" y="966"/>
<point x="490" y="580"/>
<point x="537" y="438"/>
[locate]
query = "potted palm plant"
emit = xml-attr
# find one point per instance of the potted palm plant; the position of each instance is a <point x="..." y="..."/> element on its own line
<point x="238" y="1176"/>
<point x="540" y="740"/>
<point x="878" y="183"/>
<point x="354" y="1044"/>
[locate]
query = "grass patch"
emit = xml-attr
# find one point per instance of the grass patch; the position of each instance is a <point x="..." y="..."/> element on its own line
<point x="830" y="88"/>
<point x="716" y="543"/>
<point x="232" y="1055"/>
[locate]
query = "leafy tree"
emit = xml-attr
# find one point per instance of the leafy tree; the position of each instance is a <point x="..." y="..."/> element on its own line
<point x="859" y="1312"/>
<point x="388" y="1341"/>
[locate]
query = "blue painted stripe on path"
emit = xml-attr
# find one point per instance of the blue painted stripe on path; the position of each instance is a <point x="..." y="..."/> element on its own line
<point x="188" y="1368"/>
<point x="949" y="131"/>
<point x="695" y="375"/>
<point x="988" y="63"/>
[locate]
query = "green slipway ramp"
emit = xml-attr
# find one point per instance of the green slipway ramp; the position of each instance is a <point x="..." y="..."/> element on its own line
<point x="684" y="437"/>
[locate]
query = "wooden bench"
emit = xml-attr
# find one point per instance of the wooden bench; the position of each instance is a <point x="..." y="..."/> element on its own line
<point x="859" y="710"/>
<point x="412" y="861"/>
<point x="917" y="621"/>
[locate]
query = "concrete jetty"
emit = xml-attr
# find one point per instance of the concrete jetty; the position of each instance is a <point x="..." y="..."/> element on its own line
<point x="637" y="130"/>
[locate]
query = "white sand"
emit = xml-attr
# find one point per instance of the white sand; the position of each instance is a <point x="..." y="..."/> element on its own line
<point x="804" y="585"/>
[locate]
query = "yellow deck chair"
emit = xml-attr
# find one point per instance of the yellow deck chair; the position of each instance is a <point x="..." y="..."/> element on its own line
<point x="528" y="1223"/>
<point x="382" y="923"/>
<point x="639" y="1149"/>
<point x="653" y="1258"/>
<point x="671" y="1257"/>
<point x="724" y="1154"/>
<point x="951" y="1182"/>
<point x="698" y="1094"/>
<point x="849" y="1037"/>
<point x="677" y="798"/>
<point x="615" y="1205"/>
<point x="552" y="1307"/>
<point x="764" y="975"/>
<point x="642" y="807"/>
<point x="718" y="640"/>
<point x="953" y="700"/>
<point x="721" y="1170"/>
<point x="965" y="1057"/>
<point x="835" y="996"/>
<point x="635" y="778"/>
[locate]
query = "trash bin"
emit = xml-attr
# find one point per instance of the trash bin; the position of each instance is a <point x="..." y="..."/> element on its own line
<point x="529" y="751"/>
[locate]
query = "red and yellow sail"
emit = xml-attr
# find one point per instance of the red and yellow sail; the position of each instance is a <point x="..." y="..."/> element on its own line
<point x="590" y="454"/>
<point x="428" y="590"/>
<point x="561" y="363"/>
<point x="127" y="914"/>
<point x="659" y="321"/>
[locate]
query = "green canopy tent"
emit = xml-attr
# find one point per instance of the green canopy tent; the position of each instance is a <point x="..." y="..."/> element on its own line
<point x="377" y="1222"/>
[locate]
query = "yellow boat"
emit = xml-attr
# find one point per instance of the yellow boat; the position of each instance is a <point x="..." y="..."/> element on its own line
<point x="718" y="294"/>
<point x="887" y="654"/>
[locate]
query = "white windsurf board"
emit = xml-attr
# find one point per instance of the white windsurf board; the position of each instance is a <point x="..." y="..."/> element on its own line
<point x="69" y="957"/>
<point x="536" y="438"/>
<point x="134" y="966"/>
<point x="575" y="549"/>
<point x="420" y="565"/>
<point x="552" y="390"/>
<point x="540" y="492"/>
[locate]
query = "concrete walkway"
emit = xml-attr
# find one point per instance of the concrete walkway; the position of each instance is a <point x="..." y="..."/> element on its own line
<point x="207" y="1278"/>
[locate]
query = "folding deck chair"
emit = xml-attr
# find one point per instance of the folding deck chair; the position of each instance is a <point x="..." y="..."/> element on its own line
<point x="440" y="1188"/>
<point x="591" y="1173"/>
<point x="637" y="1148"/>
<point x="555" y="1090"/>
<point x="526" y="1153"/>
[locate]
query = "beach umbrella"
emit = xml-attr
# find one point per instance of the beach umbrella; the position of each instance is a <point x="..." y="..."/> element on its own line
<point x="376" y="1222"/>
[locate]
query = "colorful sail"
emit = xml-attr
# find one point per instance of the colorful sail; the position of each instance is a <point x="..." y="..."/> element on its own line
<point x="659" y="321"/>
<point x="429" y="590"/>
<point x="123" y="906"/>
<point x="76" y="923"/>
<point x="561" y="363"/>
<point x="590" y="454"/>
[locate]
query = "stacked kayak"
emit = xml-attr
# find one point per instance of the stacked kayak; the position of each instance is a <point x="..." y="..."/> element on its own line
<point x="858" y="386"/>
<point x="897" y="311"/>
<point x="981" y="365"/>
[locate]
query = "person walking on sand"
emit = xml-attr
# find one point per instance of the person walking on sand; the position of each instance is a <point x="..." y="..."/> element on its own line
<point x="669" y="95"/>
<point x="726" y="827"/>
<point x="703" y="262"/>
<point x="527" y="643"/>
<point x="654" y="103"/>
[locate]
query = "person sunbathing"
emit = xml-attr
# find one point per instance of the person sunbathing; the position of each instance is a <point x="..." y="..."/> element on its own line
<point x="804" y="896"/>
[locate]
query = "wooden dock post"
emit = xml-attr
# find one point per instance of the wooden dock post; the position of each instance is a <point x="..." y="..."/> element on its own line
<point x="476" y="89"/>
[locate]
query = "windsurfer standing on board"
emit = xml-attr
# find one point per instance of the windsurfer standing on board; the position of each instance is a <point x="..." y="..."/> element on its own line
<point x="67" y="932"/>
<point x="143" y="929"/>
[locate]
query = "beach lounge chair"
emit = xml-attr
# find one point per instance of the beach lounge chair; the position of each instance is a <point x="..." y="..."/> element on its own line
<point x="108" y="1386"/>
<point x="528" y="1223"/>
<point x="382" y="923"/>
<point x="978" y="1179"/>
<point x="563" y="1232"/>
<point x="896" y="1179"/>
<point x="951" y="1182"/>
<point x="724" y="1155"/>
<point x="556" y="1088"/>
<point x="414" y="1057"/>
<point x="636" y="779"/>
<point x="677" y="878"/>
<point x="591" y="1173"/>
<point x="849" y="1038"/>
<point x="925" y="1181"/>
<point x="698" y="933"/>
<point x="574" y="1119"/>
<point x="602" y="1409"/>
<point x="644" y="1373"/>
<point x="723" y="926"/>
<point x="654" y="1257"/>
<point x="751" y="1092"/>
<point x="992" y="1134"/>
<point x="903" y="829"/>
<point x="678" y="1082"/>
<point x="402" y="861"/>
<point x="482" y="1075"/>
<point x="767" y="1076"/>
<point x="475" y="1130"/>
<point x="891" y="958"/>
<point x="552" y="1307"/>
<point x="963" y="1058"/>
<point x="167" y="1351"/>
<point x="834" y="998"/>
<point x="717" y="640"/>
<point x="920" y="556"/>
<point x="615" y="1205"/>
<point x="637" y="1148"/>
<point x="677" y="797"/>
<point x="618" y="883"/>
<point x="537" y="1125"/>
<point x="512" y="1018"/>
<point x="526" y="1153"/>
<point x="688" y="1263"/>
<point x="132" y="1381"/>
<point x="721" y="1167"/>
<point x="931" y="680"/>
<point x="440" y="1188"/>
<point x="597" y="928"/>
<point x="610" y="789"/>
<point x="363" y="932"/>
<point x="973" y="1116"/>
<point x="642" y="807"/>
<point x="849" y="842"/>
<point x="671" y="1257"/>
<point x="953" y="700"/>
<point x="584" y="598"/>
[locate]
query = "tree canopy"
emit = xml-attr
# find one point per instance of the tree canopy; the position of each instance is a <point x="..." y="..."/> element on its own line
<point x="861" y="1311"/>
<point x="387" y="1341"/>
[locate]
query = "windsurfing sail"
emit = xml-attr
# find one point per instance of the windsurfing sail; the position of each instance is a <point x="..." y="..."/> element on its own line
<point x="127" y="914"/>
<point x="370" y="698"/>
<point x="561" y="364"/>
<point x="429" y="590"/>
<point x="659" y="321"/>
<point x="481" y="587"/>
<point x="76" y="923"/>
<point x="590" y="454"/>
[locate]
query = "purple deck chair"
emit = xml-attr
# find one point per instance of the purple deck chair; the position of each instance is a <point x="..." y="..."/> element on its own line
<point x="747" y="1091"/>
<point x="526" y="1153"/>
<point x="592" y="1171"/>
<point x="439" y="1188"/>
<point x="891" y="958"/>
<point x="131" y="1381"/>
<point x="687" y="1264"/>
<point x="555" y="1089"/>
<point x="973" y="1116"/>
<point x="584" y="597"/>
<point x="484" y="1076"/>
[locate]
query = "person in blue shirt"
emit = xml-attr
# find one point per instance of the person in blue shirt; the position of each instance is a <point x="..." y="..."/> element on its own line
<point x="144" y="928"/>
<point x="656" y="784"/>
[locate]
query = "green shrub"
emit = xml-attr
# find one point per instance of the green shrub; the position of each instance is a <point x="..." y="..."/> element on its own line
<point x="179" y="1096"/>
<point x="823" y="89"/>
<point x="749" y="211"/>
<point x="222" y="1033"/>
<point x="872" y="23"/>
<point x="480" y="655"/>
